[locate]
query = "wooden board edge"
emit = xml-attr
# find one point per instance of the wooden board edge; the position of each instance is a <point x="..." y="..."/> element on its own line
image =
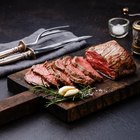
<point x="29" y="102"/>
<point x="18" y="106"/>
<point x="102" y="102"/>
<point x="82" y="109"/>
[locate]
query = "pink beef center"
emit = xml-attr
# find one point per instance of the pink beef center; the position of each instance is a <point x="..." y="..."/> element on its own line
<point x="99" y="63"/>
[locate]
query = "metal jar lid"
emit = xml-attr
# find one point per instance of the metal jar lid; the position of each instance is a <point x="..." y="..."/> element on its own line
<point x="136" y="25"/>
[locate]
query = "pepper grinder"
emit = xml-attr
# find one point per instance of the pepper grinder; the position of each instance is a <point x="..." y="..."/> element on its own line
<point x="126" y="12"/>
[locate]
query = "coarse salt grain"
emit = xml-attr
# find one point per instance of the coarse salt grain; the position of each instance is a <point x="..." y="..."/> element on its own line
<point x="118" y="29"/>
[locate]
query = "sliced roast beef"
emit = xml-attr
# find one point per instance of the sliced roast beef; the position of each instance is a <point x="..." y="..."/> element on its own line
<point x="111" y="59"/>
<point x="41" y="70"/>
<point x="34" y="79"/>
<point x="66" y="60"/>
<point x="58" y="74"/>
<point x="69" y="72"/>
<point x="80" y="81"/>
<point x="62" y="77"/>
<point x="84" y="66"/>
<point x="58" y="64"/>
<point x="77" y="76"/>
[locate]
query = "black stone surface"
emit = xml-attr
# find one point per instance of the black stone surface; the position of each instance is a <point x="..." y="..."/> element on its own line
<point x="20" y="18"/>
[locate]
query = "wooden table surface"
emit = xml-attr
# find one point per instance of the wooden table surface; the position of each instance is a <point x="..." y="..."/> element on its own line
<point x="20" y="18"/>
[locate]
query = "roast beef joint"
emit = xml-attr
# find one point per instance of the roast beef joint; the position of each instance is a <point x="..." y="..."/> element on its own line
<point x="108" y="59"/>
<point x="111" y="60"/>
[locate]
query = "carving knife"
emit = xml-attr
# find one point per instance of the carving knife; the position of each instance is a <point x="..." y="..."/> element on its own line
<point x="32" y="53"/>
<point x="22" y="47"/>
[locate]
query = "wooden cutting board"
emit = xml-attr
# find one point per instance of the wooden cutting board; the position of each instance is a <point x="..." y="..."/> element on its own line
<point x="107" y="93"/>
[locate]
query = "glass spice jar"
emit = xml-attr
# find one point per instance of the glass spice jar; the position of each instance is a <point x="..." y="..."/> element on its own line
<point x="118" y="27"/>
<point x="136" y="37"/>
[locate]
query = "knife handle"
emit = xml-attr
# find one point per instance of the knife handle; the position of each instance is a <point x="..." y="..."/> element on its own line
<point x="13" y="58"/>
<point x="20" y="48"/>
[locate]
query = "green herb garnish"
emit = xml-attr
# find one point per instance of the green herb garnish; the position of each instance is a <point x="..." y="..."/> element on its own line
<point x="53" y="96"/>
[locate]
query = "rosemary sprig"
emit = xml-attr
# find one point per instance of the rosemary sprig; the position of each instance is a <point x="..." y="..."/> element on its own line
<point x="54" y="97"/>
<point x="42" y="89"/>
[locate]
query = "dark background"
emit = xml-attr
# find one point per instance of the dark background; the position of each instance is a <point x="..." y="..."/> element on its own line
<point x="20" y="18"/>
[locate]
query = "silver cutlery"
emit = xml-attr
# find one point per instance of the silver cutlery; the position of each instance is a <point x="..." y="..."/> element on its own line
<point x="22" y="46"/>
<point x="32" y="53"/>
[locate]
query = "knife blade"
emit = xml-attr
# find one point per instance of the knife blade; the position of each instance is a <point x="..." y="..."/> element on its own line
<point x="59" y="44"/>
<point x="32" y="53"/>
<point x="22" y="46"/>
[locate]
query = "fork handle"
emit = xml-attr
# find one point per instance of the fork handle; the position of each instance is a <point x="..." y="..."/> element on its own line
<point x="20" y="48"/>
<point x="16" y="57"/>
